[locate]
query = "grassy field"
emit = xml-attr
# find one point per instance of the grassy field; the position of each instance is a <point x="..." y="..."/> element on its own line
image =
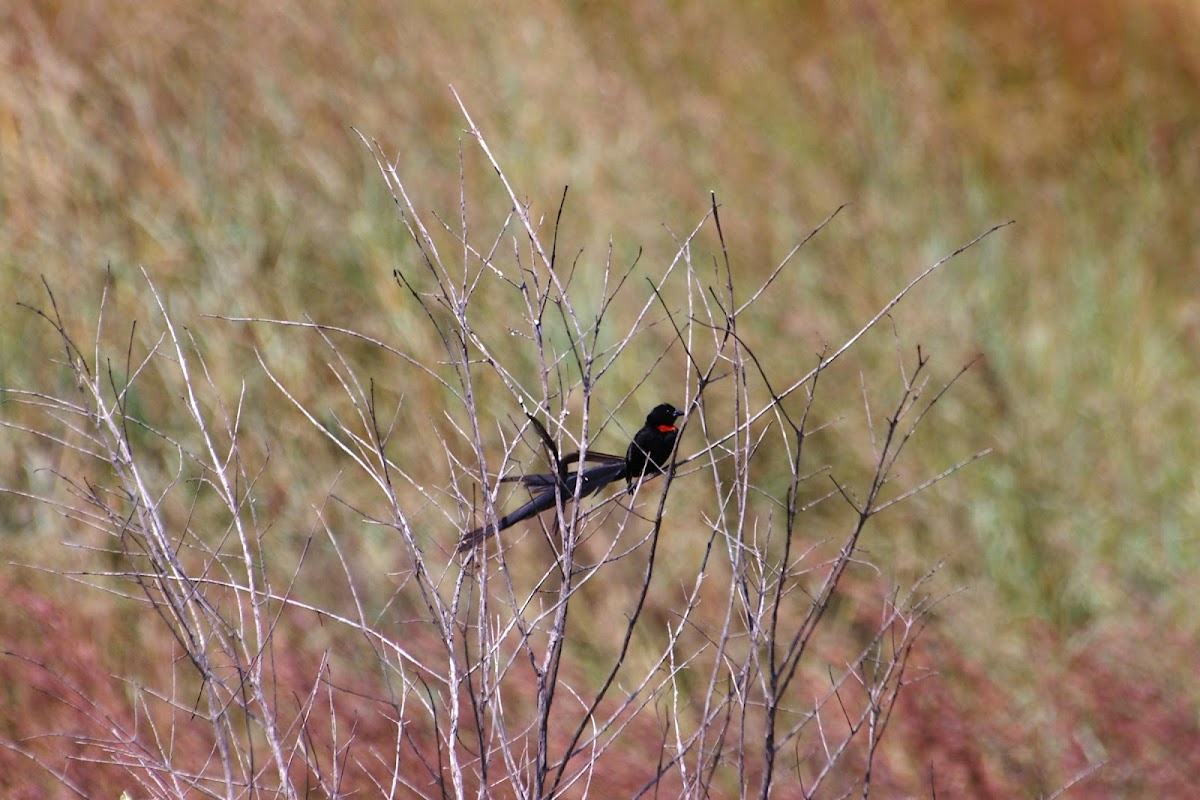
<point x="215" y="149"/>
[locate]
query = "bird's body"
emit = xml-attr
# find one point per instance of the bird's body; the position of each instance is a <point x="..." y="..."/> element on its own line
<point x="646" y="455"/>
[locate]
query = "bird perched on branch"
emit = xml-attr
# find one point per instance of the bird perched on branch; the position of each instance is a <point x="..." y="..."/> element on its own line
<point x="646" y="456"/>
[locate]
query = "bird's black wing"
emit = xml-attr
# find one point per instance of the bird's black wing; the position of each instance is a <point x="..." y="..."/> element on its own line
<point x="544" y="486"/>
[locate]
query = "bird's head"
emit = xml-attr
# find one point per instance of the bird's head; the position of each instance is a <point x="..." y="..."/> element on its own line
<point x="663" y="416"/>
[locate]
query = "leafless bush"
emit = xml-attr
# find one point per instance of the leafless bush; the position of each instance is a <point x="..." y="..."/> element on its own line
<point x="481" y="679"/>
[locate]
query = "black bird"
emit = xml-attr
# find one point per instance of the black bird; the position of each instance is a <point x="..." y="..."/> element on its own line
<point x="646" y="456"/>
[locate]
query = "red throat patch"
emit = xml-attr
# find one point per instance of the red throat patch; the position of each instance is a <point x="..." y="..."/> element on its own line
<point x="666" y="428"/>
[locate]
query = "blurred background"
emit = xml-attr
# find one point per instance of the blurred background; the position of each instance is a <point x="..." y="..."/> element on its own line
<point x="211" y="144"/>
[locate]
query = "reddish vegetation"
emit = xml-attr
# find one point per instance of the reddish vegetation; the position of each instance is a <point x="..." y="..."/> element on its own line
<point x="956" y="732"/>
<point x="56" y="670"/>
<point x="977" y="740"/>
